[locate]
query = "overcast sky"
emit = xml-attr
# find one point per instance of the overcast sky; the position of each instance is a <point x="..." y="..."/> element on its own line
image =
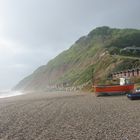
<point x="34" y="31"/>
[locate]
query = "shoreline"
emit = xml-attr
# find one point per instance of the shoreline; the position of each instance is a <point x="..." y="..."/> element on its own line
<point x="10" y="94"/>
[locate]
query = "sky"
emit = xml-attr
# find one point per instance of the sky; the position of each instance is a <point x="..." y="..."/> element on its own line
<point x="34" y="31"/>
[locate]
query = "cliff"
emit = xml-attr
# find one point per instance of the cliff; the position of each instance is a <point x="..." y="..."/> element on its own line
<point x="92" y="58"/>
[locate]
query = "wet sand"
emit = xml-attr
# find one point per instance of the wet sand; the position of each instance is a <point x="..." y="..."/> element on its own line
<point x="69" y="116"/>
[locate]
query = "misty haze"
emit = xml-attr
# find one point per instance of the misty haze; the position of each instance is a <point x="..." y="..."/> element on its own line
<point x="69" y="69"/>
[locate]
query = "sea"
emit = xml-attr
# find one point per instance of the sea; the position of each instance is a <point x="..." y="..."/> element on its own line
<point x="9" y="93"/>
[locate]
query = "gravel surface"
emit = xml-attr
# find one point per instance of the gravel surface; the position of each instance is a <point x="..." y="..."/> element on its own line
<point x="69" y="116"/>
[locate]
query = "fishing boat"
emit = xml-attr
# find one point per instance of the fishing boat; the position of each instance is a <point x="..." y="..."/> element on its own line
<point x="113" y="89"/>
<point x="134" y="96"/>
<point x="124" y="87"/>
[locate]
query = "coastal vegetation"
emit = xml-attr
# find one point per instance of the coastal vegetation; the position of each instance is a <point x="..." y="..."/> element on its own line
<point x="90" y="59"/>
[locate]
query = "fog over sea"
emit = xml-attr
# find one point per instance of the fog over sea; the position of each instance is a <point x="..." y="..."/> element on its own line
<point x="9" y="93"/>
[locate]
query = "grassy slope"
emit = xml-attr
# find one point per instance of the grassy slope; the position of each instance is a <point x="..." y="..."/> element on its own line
<point x="90" y="56"/>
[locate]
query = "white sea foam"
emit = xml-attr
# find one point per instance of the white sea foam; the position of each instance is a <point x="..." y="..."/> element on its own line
<point x="9" y="93"/>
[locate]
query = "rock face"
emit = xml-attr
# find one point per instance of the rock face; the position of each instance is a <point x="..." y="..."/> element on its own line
<point x="91" y="58"/>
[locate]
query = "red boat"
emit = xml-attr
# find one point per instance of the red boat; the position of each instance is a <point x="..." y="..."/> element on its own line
<point x="113" y="89"/>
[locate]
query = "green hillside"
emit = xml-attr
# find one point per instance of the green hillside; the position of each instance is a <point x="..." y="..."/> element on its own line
<point x="92" y="58"/>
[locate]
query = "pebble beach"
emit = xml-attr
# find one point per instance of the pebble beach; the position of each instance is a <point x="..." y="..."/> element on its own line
<point x="69" y="116"/>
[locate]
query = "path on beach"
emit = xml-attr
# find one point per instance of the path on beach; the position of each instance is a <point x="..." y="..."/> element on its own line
<point x="69" y="116"/>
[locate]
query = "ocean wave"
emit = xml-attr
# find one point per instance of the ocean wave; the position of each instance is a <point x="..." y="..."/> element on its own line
<point x="9" y="93"/>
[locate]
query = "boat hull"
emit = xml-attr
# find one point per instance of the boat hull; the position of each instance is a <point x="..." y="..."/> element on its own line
<point x="113" y="89"/>
<point x="134" y="96"/>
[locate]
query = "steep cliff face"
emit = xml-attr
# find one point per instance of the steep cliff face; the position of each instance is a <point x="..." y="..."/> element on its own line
<point x="92" y="57"/>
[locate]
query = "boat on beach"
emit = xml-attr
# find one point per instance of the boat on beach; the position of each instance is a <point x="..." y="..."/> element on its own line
<point x="134" y="96"/>
<point x="124" y="87"/>
<point x="113" y="89"/>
